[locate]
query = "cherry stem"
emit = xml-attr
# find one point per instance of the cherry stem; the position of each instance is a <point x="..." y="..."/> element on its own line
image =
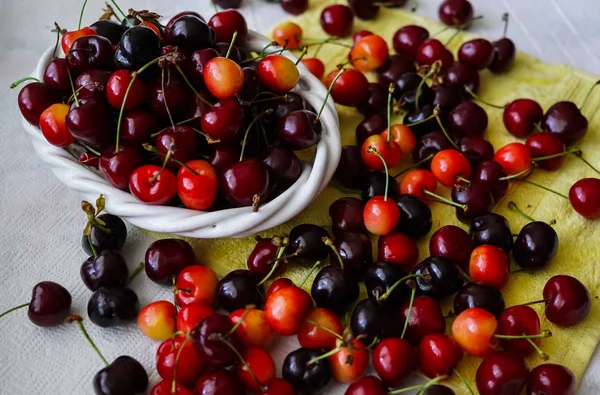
<point x="324" y="328"/>
<point x="505" y="19"/>
<point x="373" y="150"/>
<point x="133" y="78"/>
<point x="72" y="97"/>
<point x="89" y="237"/>
<point x="136" y="271"/>
<point x="324" y="356"/>
<point x="430" y="383"/>
<point x="254" y="101"/>
<point x="545" y="333"/>
<point x="209" y="140"/>
<point x="87" y="147"/>
<point x="470" y="92"/>
<point x="464" y="381"/>
<point x="416" y="165"/>
<point x="435" y="68"/>
<point x="389" y="112"/>
<point x="580" y="156"/>
<point x="186" y="121"/>
<point x="310" y="272"/>
<point x="162" y="87"/>
<point x="81" y="14"/>
<point x="421" y="121"/>
<point x="391" y="289"/>
<point x="545" y="188"/>
<point x="536" y="302"/>
<point x="285" y="48"/>
<point x="121" y="12"/>
<point x="269" y="111"/>
<point x="155" y="150"/>
<point x="513" y="206"/>
<point x="73" y="88"/>
<point x="587" y="95"/>
<point x="519" y="174"/>
<point x="58" y="31"/>
<point x="233" y="38"/>
<point x="436" y="114"/>
<point x="79" y="321"/>
<point x="558" y="155"/>
<point x="423" y="387"/>
<point x="187" y="81"/>
<point x="304" y="51"/>
<point x="461" y="178"/>
<point x="339" y="74"/>
<point x="14" y="308"/>
<point x="329" y="242"/>
<point x="410" y="305"/>
<point x="174" y="382"/>
<point x="242" y="318"/>
<point x="279" y="255"/>
<point x="236" y="352"/>
<point x="444" y="200"/>
<point x="165" y="161"/>
<point x="537" y="349"/>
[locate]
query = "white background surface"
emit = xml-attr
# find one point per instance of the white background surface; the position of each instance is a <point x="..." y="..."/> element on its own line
<point x="40" y="220"/>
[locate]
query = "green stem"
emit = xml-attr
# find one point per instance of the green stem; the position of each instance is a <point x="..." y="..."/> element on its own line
<point x="519" y="174"/>
<point x="444" y="200"/>
<point x="410" y="305"/>
<point x="461" y="178"/>
<point x="174" y="382"/>
<point x="430" y="383"/>
<point x="564" y="153"/>
<point x="587" y="95"/>
<point x="89" y="237"/>
<point x="58" y="31"/>
<point x="402" y="390"/>
<point x="79" y="321"/>
<point x="539" y="351"/>
<point x="339" y="74"/>
<point x="233" y="38"/>
<point x="154" y="150"/>
<point x="310" y="272"/>
<point x="14" y="308"/>
<point x="73" y="88"/>
<point x="435" y="68"/>
<point x="513" y="206"/>
<point x="162" y="87"/>
<point x="470" y="92"/>
<point x="389" y="112"/>
<point x="537" y="336"/>
<point x="87" y="147"/>
<point x="373" y="150"/>
<point x="240" y="322"/>
<point x="81" y="14"/>
<point x="464" y="381"/>
<point x="280" y="252"/>
<point x="324" y="356"/>
<point x="535" y="302"/>
<point x="304" y="51"/>
<point x="436" y="114"/>
<point x="269" y="111"/>
<point x="329" y="243"/>
<point x="322" y="327"/>
<point x="121" y="12"/>
<point x="137" y="270"/>
<point x="187" y="81"/>
<point x="545" y="188"/>
<point x="580" y="156"/>
<point x="236" y="352"/>
<point x="421" y="121"/>
<point x="165" y="161"/>
<point x="391" y="289"/>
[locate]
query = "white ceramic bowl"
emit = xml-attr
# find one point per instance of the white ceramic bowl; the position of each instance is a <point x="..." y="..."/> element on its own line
<point x="235" y="222"/>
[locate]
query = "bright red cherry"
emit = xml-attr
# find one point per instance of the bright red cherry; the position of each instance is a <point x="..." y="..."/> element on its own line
<point x="403" y="136"/>
<point x="546" y="144"/>
<point x="455" y="12"/>
<point x="416" y="181"/>
<point x="514" y="158"/>
<point x="189" y="365"/>
<point x="287" y="308"/>
<point x="431" y="51"/>
<point x="551" y="379"/>
<point x="197" y="184"/>
<point x="452" y="242"/>
<point x="259" y="366"/>
<point x="227" y="22"/>
<point x="336" y="20"/>
<point x="438" y="354"/>
<point x="278" y="284"/>
<point x="408" y="39"/>
<point x="398" y="248"/>
<point x="490" y="265"/>
<point x="390" y="151"/>
<point x="366" y="385"/>
<point x="568" y="301"/>
<point x="373" y="49"/>
<point x="515" y="321"/>
<point x="313" y="336"/>
<point x="165" y="387"/>
<point x="287" y="34"/>
<point x="117" y="86"/>
<point x="157" y="320"/>
<point x="152" y="184"/>
<point x="52" y="124"/>
<point x="278" y="73"/>
<point x="476" y="53"/>
<point x="254" y="330"/>
<point x="191" y="315"/>
<point x="501" y="373"/>
<point x="196" y="284"/>
<point x="521" y="115"/>
<point x="218" y="382"/>
<point x="584" y="196"/>
<point x="425" y="317"/>
<point x="350" y="88"/>
<point x="223" y="77"/>
<point x="449" y="165"/>
<point x="69" y="38"/>
<point x="393" y="359"/>
<point x="474" y="331"/>
<point x="277" y="386"/>
<point x="315" y="66"/>
<point x="345" y="372"/>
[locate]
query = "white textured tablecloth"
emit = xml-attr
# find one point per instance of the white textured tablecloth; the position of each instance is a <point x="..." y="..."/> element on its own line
<point x="41" y="223"/>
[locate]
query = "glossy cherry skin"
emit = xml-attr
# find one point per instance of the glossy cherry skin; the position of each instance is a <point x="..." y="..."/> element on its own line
<point x="254" y="330"/>
<point x="467" y="119"/>
<point x="298" y="130"/>
<point x="460" y="75"/>
<point x="306" y="243"/>
<point x="259" y="365"/>
<point x="166" y="258"/>
<point x="208" y="344"/>
<point x="283" y="165"/>
<point x="260" y="260"/>
<point x="108" y="269"/>
<point x="336" y="20"/>
<point x="286" y="309"/>
<point x="53" y="125"/>
<point x="190" y="363"/>
<point x="373" y="49"/>
<point x="197" y="188"/>
<point x="455" y="12"/>
<point x="438" y="354"/>
<point x="117" y="166"/>
<point x="425" y="317"/>
<point x="56" y="75"/>
<point x="287" y="34"/>
<point x="176" y="94"/>
<point x="415" y="216"/>
<point x="535" y="246"/>
<point x="195" y="284"/>
<point x="477" y="198"/>
<point x="350" y="89"/>
<point x="91" y="123"/>
<point x="353" y="350"/>
<point x="417" y="181"/>
<point x="315" y="66"/>
<point x="546" y="144"/>
<point x="432" y="50"/>
<point x="397" y="248"/>
<point x="476" y="149"/>
<point x="90" y="52"/>
<point x="380" y="278"/>
<point x="346" y="215"/>
<point x="491" y="229"/>
<point x="356" y="252"/>
<point x="166" y="387"/>
<point x="239" y="289"/>
<point x="278" y="73"/>
<point x="474" y="331"/>
<point x="304" y="376"/>
<point x="138" y="126"/>
<point x="152" y="185"/>
<point x="294" y="7"/>
<point x="113" y="306"/>
<point x="447" y="98"/>
<point x="69" y="38"/>
<point x="226" y="23"/>
<point x="448" y="165"/>
<point x="476" y="53"/>
<point x="427" y="144"/>
<point x="489" y="173"/>
<point x="375" y="186"/>
<point x="218" y="382"/>
<point x="452" y="242"/>
<point x="514" y="158"/>
<point x="34" y="99"/>
<point x="312" y="336"/>
<point x="390" y="151"/>
<point x="503" y="55"/>
<point x="117" y="86"/>
<point x="364" y="9"/>
<point x="224" y="122"/>
<point x="182" y="141"/>
<point x="381" y="215"/>
<point x="109" y="29"/>
<point x="223" y="77"/>
<point x="393" y="359"/>
<point x="92" y="84"/>
<point x="477" y="294"/>
<point x="516" y="321"/>
<point x="243" y="181"/>
<point x="445" y="278"/>
<point x="375" y="102"/>
<point x="370" y="126"/>
<point x="520" y="117"/>
<point x="501" y="373"/>
<point x="369" y="319"/>
<point x="490" y="265"/>
<point x="566" y="121"/>
<point x="408" y="39"/>
<point x="334" y="289"/>
<point x="113" y="240"/>
<point x="584" y="196"/>
<point x="123" y="376"/>
<point x="568" y="301"/>
<point x="366" y="385"/>
<point x="190" y="33"/>
<point x="551" y="379"/>
<point x="393" y="69"/>
<point x="191" y="315"/>
<point x="422" y="117"/>
<point x="50" y="304"/>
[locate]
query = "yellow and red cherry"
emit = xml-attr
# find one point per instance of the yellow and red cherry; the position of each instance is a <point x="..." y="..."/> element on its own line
<point x="546" y="144"/>
<point x="393" y="359"/>
<point x="287" y="308"/>
<point x="196" y="284"/>
<point x="520" y="320"/>
<point x="254" y="329"/>
<point x="371" y="53"/>
<point x="287" y="34"/>
<point x="258" y="370"/>
<point x="584" y="196"/>
<point x="349" y="88"/>
<point x="277" y="73"/>
<point x="520" y="117"/>
<point x="403" y="136"/>
<point x="315" y="66"/>
<point x="53" y="126"/>
<point x="474" y="331"/>
<point x="223" y="77"/>
<point x="337" y="20"/>
<point x="431" y="51"/>
<point x="189" y="316"/>
<point x="227" y="23"/>
<point x="514" y="158"/>
<point x="490" y="265"/>
<point x="121" y="92"/>
<point x="389" y="150"/>
<point x="67" y="40"/>
<point x="438" y="354"/>
<point x="343" y="371"/>
<point x="157" y="320"/>
<point x="449" y="166"/>
<point x="197" y="184"/>
<point x="152" y="184"/>
<point x="417" y="181"/>
<point x="184" y="370"/>
<point x="319" y="328"/>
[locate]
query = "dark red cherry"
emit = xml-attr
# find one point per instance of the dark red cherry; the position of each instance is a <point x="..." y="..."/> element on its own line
<point x="393" y="359"/>
<point x="283" y="164"/>
<point x="228" y="3"/>
<point x="393" y="69"/>
<point x="583" y="196"/>
<point x="108" y="269"/>
<point x="366" y="385"/>
<point x="224" y="122"/>
<point x="277" y="386"/>
<point x="184" y="13"/>
<point x="124" y="375"/>
<point x="34" y="99"/>
<point x="245" y="183"/>
<point x="489" y="174"/>
<point x="476" y="53"/>
<point x="501" y="373"/>
<point x="261" y="259"/>
<point x="371" y="319"/>
<point x="519" y="320"/>
<point x="423" y="117"/>
<point x="460" y="75"/>
<point x="102" y="240"/>
<point x="210" y="337"/>
<point x="298" y="130"/>
<point x="380" y="278"/>
<point x="50" y="304"/>
<point x="551" y="379"/>
<point x="239" y="289"/>
<point x="444" y="278"/>
<point x="566" y="121"/>
<point x="447" y="98"/>
<point x="375" y="102"/>
<point x="415" y="216"/>
<point x="176" y="95"/>
<point x="109" y="29"/>
<point x="335" y="288"/>
<point x="375" y="124"/>
<point x="218" y="382"/>
<point x="138" y="126"/>
<point x="546" y="144"/>
<point x="182" y="141"/>
<point x="364" y="9"/>
<point x="375" y="185"/>
<point x="198" y="61"/>
<point x="429" y="144"/>
<point x="306" y="243"/>
<point x="294" y="7"/>
<point x="476" y="149"/>
<point x="190" y="33"/>
<point x="91" y="123"/>
<point x="226" y="23"/>
<point x="431" y="51"/>
<point x="336" y="20"/>
<point x="535" y="246"/>
<point x="476" y="197"/>
<point x="467" y="119"/>
<point x="503" y="55"/>
<point x="347" y="215"/>
<point x="491" y="229"/>
<point x="92" y="84"/>
<point x="166" y="258"/>
<point x="408" y="39"/>
<point x="356" y="252"/>
<point x="479" y="295"/>
<point x="521" y="115"/>
<point x="304" y="376"/>
<point x="222" y="156"/>
<point x="351" y="170"/>
<point x="56" y="75"/>
<point x="425" y="318"/>
<point x="90" y="52"/>
<point x="568" y="301"/>
<point x="452" y="242"/>
<point x="455" y="12"/>
<point x="117" y="166"/>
